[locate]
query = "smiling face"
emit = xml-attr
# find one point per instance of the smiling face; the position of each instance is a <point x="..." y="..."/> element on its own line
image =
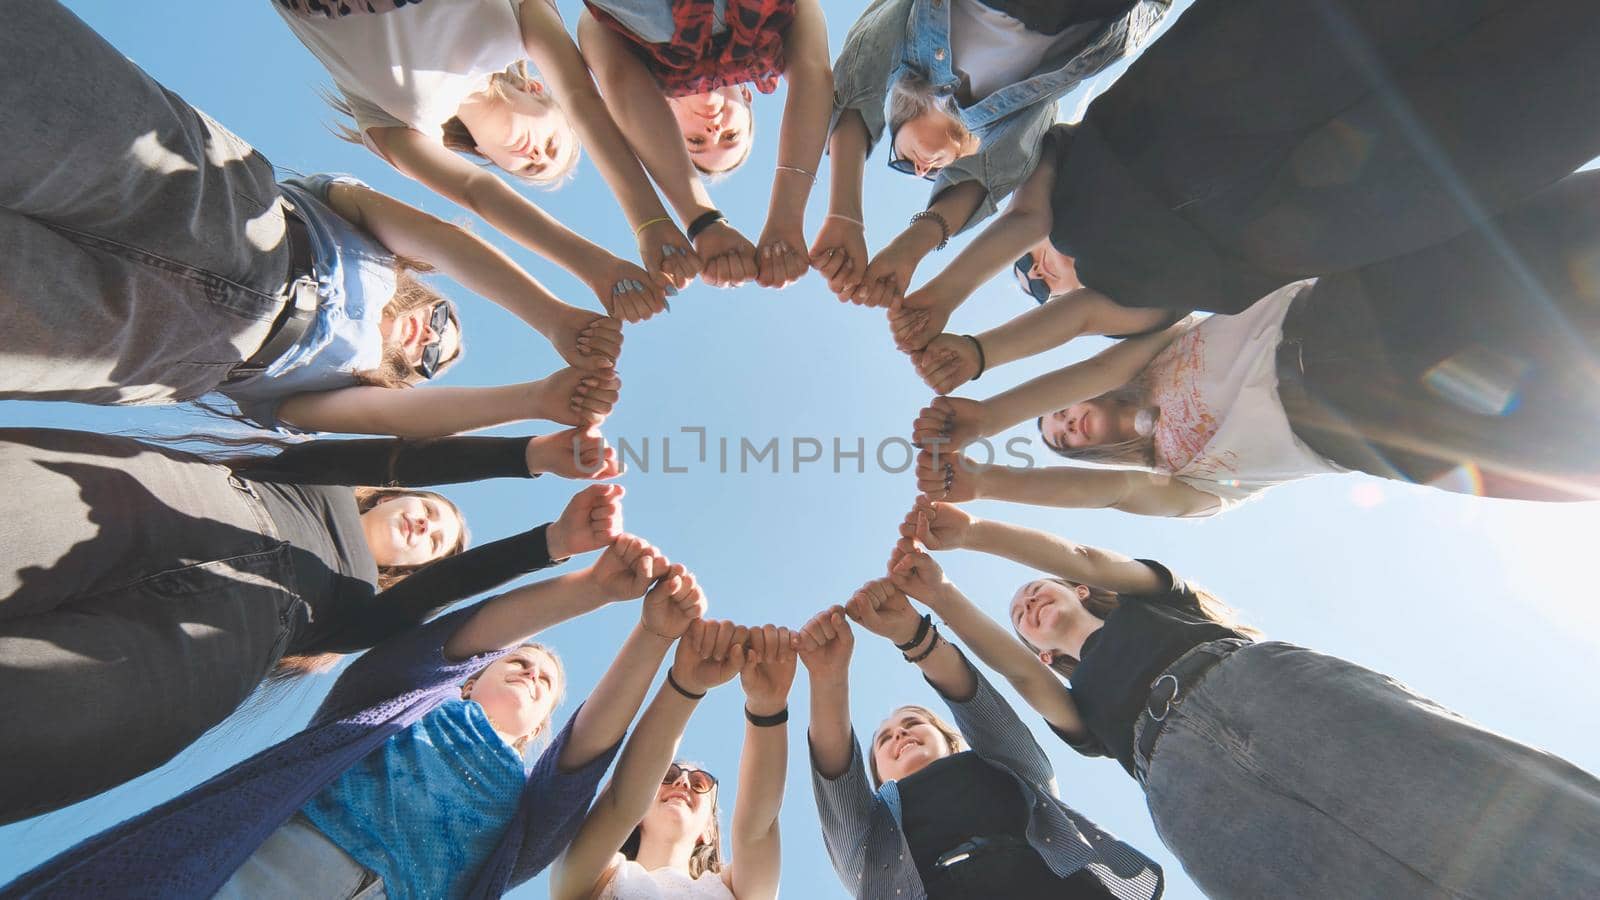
<point x="681" y="814"/>
<point x="412" y="331"/>
<point x="1054" y="268"/>
<point x="1041" y="611"/>
<point x="929" y="141"/>
<point x="717" y="127"/>
<point x="1087" y="424"/>
<point x="522" y="131"/>
<point x="410" y="530"/>
<point x="906" y="742"/>
<point x="518" y="692"/>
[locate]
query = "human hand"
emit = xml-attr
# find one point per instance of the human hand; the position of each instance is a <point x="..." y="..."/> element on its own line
<point x="936" y="525"/>
<point x="627" y="568"/>
<point x="781" y="251"/>
<point x="768" y="672"/>
<point x="729" y="259"/>
<point x="574" y="453"/>
<point x="825" y="645"/>
<point x="881" y="608"/>
<point x="951" y="477"/>
<point x="673" y="603"/>
<point x="948" y="362"/>
<point x="673" y="259"/>
<point x="916" y="573"/>
<point x="839" y="254"/>
<point x="710" y="653"/>
<point x="592" y="519"/>
<point x="950" y="423"/>
<point x="587" y="340"/>
<point x="627" y="292"/>
<point x="888" y="274"/>
<point x="921" y="315"/>
<point x="574" y="397"/>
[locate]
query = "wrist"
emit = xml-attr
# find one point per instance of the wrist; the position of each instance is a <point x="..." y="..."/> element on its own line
<point x="538" y="456"/>
<point x="765" y="706"/>
<point x="977" y="536"/>
<point x="589" y="588"/>
<point x="684" y="686"/>
<point x="556" y="540"/>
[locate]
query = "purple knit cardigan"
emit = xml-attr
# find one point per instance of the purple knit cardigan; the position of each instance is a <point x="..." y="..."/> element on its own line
<point x="191" y="845"/>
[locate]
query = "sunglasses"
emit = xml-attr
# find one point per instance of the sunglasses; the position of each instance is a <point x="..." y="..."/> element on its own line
<point x="1033" y="287"/>
<point x="437" y="320"/>
<point x="700" y="781"/>
<point x="902" y="165"/>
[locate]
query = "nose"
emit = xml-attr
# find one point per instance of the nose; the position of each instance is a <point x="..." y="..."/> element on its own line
<point x="683" y="778"/>
<point x="1037" y="271"/>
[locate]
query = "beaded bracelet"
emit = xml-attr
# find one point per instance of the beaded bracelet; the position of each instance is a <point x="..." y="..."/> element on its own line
<point x="929" y="651"/>
<point x="937" y="219"/>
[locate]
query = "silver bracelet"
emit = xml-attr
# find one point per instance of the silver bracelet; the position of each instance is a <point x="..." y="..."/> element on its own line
<point x="810" y="175"/>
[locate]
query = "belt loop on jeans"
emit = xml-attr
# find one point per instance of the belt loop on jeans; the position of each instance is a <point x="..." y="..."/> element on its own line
<point x="301" y="299"/>
<point x="1167" y="692"/>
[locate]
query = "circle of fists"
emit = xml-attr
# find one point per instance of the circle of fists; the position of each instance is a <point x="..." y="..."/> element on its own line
<point x="711" y="651"/>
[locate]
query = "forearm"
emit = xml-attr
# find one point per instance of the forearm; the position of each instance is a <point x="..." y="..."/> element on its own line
<point x="993" y="251"/>
<point x="1129" y="490"/>
<point x="1035" y="331"/>
<point x="611" y="706"/>
<point x="847" y="155"/>
<point x="763" y="765"/>
<point x="409" y="413"/>
<point x="984" y="637"/>
<point x="515" y="616"/>
<point x="829" y="731"/>
<point x="805" y="122"/>
<point x="945" y="669"/>
<point x="483" y="269"/>
<point x="1084" y="380"/>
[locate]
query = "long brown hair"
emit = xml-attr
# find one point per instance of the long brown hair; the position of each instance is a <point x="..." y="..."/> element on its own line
<point x="706" y="856"/>
<point x="295" y="665"/>
<point x="912" y="94"/>
<point x="1101" y="603"/>
<point x="410" y="293"/>
<point x="951" y="735"/>
<point x="456" y="136"/>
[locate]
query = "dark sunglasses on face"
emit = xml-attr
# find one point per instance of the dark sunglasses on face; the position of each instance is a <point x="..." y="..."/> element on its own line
<point x="903" y="166"/>
<point x="1033" y="287"/>
<point x="700" y="781"/>
<point x="437" y="320"/>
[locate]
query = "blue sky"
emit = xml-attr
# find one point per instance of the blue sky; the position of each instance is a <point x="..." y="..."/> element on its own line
<point x="1474" y="603"/>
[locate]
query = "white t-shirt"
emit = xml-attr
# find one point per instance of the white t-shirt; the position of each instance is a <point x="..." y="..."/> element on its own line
<point x="1222" y="428"/>
<point x="993" y="50"/>
<point x="413" y="66"/>
<point x="632" y="881"/>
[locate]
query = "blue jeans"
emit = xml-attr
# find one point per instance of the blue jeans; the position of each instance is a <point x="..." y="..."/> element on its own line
<point x="144" y="243"/>
<point x="1289" y="773"/>
<point x="300" y="863"/>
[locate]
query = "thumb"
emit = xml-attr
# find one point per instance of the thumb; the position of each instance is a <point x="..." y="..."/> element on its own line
<point x="736" y="655"/>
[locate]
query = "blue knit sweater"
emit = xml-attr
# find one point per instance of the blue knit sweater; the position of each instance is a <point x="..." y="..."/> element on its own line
<point x="191" y="845"/>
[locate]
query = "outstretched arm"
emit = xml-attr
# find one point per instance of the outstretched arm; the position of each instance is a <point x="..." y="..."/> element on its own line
<point x="552" y="50"/>
<point x="481" y="268"/>
<point x="569" y="397"/>
<point x="767" y="675"/>
<point x="958" y="479"/>
<point x="781" y="249"/>
<point x="839" y="252"/>
<point x="673" y="610"/>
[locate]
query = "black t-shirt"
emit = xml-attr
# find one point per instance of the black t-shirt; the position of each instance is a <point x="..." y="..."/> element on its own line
<point x="1140" y="639"/>
<point x="953" y="799"/>
<point x="307" y="492"/>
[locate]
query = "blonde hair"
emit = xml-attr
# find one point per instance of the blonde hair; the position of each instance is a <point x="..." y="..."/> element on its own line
<point x="913" y="95"/>
<point x="706" y="856"/>
<point x="951" y="736"/>
<point x="1137" y="451"/>
<point x="521" y="744"/>
<point x="456" y="136"/>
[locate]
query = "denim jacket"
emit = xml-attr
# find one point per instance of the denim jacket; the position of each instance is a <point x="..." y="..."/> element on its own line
<point x="893" y="36"/>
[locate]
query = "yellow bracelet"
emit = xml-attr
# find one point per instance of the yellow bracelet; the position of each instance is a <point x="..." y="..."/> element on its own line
<point x="648" y="222"/>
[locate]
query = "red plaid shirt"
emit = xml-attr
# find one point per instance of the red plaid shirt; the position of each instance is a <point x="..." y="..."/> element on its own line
<point x="695" y="61"/>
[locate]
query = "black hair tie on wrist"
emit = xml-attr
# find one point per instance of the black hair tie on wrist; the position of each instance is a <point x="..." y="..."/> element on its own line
<point x="703" y="221"/>
<point x="983" y="362"/>
<point x="777" y="718"/>
<point x="681" y="689"/>
<point x="932" y="645"/>
<point x="922" y="632"/>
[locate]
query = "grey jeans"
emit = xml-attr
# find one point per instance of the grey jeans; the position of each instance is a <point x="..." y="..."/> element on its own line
<point x="298" y="862"/>
<point x="1289" y="773"/>
<point x="142" y="598"/>
<point x="144" y="243"/>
